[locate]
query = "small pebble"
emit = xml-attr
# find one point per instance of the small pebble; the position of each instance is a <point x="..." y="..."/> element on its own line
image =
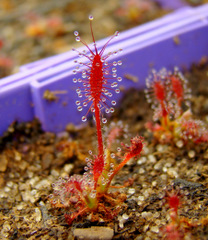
<point x="146" y="215"/>
<point x="191" y="153"/>
<point x="122" y="219"/>
<point x="94" y="233"/>
<point x="131" y="191"/>
<point x="141" y="160"/>
<point x="3" y="163"/>
<point x="141" y="171"/>
<point x="155" y="229"/>
<point x="152" y="158"/>
<point x="141" y="198"/>
<point x="179" y="144"/>
<point x="68" y="168"/>
<point x="38" y="215"/>
<point x="54" y="173"/>
<point x="45" y="183"/>
<point x="17" y="156"/>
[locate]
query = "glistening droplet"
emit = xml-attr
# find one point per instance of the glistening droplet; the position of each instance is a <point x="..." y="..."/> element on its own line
<point x="104" y="120"/>
<point x="84" y="119"/>
<point x="90" y="17"/>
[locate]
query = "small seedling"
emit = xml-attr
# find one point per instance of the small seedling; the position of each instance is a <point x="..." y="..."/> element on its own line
<point x="169" y="97"/>
<point x="178" y="226"/>
<point x="90" y="193"/>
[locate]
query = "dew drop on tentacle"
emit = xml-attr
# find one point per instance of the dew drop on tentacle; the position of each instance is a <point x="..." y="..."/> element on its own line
<point x="84" y="119"/>
<point x="104" y="120"/>
<point x="112" y="109"/>
<point x="89" y="165"/>
<point x="114" y="75"/>
<point x="76" y="33"/>
<point x="50" y="196"/>
<point x="74" y="80"/>
<point x="90" y="17"/>
<point x="111" y="165"/>
<point x="114" y="84"/>
<point x="77" y="39"/>
<point x="116" y="33"/>
<point x="109" y="174"/>
<point x="92" y="195"/>
<point x="113" y="155"/>
<point x="118" y="149"/>
<point x="113" y="102"/>
<point x="119" y="79"/>
<point x="84" y="74"/>
<point x="84" y="104"/>
<point x="79" y="108"/>
<point x="78" y="90"/>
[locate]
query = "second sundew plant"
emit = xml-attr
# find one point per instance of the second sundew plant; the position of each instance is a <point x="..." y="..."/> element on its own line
<point x="90" y="193"/>
<point x="170" y="100"/>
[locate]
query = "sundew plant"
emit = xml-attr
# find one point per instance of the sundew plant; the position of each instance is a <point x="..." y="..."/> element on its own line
<point x="173" y="121"/>
<point x="90" y="192"/>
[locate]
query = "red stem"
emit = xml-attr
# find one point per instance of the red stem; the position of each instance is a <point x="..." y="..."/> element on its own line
<point x="127" y="157"/>
<point x="99" y="131"/>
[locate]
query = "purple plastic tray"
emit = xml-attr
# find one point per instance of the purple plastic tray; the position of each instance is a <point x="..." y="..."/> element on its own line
<point x="16" y="95"/>
<point x="171" y="4"/>
<point x="23" y="93"/>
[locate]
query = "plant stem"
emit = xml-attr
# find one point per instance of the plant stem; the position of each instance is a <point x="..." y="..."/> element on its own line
<point x="99" y="131"/>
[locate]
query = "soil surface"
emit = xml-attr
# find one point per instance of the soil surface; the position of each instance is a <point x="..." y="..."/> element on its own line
<point x="31" y="160"/>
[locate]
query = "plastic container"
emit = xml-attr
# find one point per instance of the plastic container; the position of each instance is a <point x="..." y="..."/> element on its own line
<point x="171" y="4"/>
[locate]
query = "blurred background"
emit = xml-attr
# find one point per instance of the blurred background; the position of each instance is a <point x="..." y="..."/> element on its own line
<point x="35" y="29"/>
